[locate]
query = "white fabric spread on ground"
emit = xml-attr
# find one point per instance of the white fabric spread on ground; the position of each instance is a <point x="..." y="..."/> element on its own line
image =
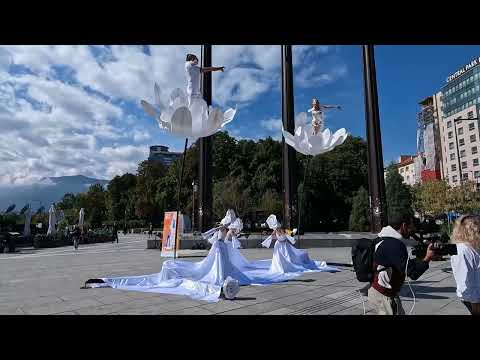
<point x="203" y="280"/>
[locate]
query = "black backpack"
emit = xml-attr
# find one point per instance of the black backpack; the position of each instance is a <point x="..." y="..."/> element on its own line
<point x="362" y="258"/>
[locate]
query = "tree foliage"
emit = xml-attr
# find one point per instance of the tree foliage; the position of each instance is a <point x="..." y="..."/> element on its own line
<point x="247" y="175"/>
<point x="359" y="217"/>
<point x="399" y="198"/>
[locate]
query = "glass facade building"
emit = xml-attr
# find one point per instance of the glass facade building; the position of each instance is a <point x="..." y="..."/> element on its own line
<point x="460" y="104"/>
<point x="161" y="153"/>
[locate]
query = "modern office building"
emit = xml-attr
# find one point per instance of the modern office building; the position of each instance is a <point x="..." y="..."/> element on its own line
<point x="161" y="153"/>
<point x="459" y="128"/>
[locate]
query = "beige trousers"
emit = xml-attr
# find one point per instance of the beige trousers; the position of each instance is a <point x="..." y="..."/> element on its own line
<point x="385" y="305"/>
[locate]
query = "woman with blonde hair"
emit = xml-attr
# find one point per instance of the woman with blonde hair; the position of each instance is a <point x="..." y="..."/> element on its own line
<point x="466" y="264"/>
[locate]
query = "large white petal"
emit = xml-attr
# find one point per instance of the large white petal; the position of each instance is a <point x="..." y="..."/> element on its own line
<point x="149" y="108"/>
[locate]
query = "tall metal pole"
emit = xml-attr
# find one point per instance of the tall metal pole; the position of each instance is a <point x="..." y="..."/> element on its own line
<point x="178" y="200"/>
<point x="193" y="206"/>
<point x="288" y="154"/>
<point x="205" y="173"/>
<point x="376" y="181"/>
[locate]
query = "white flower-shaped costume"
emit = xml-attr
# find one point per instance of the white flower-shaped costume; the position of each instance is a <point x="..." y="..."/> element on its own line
<point x="308" y="144"/>
<point x="185" y="118"/>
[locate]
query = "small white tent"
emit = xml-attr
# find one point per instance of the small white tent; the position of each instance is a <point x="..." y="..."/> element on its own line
<point x="51" y="221"/>
<point x="81" y="218"/>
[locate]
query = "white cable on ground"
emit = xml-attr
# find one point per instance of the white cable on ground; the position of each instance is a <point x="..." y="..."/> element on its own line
<point x="363" y="302"/>
<point x="410" y="286"/>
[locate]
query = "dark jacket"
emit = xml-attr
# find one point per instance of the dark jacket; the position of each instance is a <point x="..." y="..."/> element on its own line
<point x="392" y="253"/>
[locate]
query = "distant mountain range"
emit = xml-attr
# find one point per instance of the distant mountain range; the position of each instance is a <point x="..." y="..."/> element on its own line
<point x="47" y="190"/>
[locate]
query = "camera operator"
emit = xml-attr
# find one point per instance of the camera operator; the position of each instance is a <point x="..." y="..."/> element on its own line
<point x="390" y="262"/>
<point x="466" y="264"/>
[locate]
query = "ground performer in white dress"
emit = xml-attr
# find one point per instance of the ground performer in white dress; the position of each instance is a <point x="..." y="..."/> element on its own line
<point x="229" y="228"/>
<point x="223" y="270"/>
<point x="286" y="258"/>
<point x="318" y="117"/>
<point x="193" y="72"/>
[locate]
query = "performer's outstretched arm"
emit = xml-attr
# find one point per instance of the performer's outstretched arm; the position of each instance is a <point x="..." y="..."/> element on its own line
<point x="213" y="68"/>
<point x="332" y="107"/>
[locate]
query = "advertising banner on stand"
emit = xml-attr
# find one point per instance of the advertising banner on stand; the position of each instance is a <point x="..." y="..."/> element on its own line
<point x="170" y="227"/>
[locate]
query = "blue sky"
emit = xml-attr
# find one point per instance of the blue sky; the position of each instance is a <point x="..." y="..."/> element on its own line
<point x="68" y="110"/>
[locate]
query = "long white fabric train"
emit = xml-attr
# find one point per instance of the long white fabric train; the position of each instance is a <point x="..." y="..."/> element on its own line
<point x="204" y="280"/>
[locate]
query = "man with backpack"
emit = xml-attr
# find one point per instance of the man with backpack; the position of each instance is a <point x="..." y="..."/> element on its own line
<point x="384" y="263"/>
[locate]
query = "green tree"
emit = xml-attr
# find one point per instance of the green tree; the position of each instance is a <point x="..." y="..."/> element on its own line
<point x="332" y="181"/>
<point x="148" y="177"/>
<point x="119" y="196"/>
<point x="359" y="217"/>
<point x="432" y="198"/>
<point x="229" y="194"/>
<point x="224" y="150"/>
<point x="96" y="209"/>
<point x="399" y="197"/>
<point x="271" y="202"/>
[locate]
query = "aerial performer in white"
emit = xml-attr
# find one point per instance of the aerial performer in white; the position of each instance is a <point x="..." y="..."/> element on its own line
<point x="286" y="258"/>
<point x="193" y="72"/>
<point x="319" y="140"/>
<point x="185" y="113"/>
<point x="318" y="115"/>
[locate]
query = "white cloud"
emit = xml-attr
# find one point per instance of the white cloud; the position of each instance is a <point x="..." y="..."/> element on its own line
<point x="140" y="135"/>
<point x="64" y="107"/>
<point x="273" y="124"/>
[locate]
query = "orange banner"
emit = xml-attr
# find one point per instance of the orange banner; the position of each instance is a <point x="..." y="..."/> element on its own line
<point x="169" y="229"/>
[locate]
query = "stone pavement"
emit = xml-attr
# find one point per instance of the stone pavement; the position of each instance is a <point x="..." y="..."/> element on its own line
<point x="48" y="281"/>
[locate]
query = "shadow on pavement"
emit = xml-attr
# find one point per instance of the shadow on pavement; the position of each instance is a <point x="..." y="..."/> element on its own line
<point x="425" y="292"/>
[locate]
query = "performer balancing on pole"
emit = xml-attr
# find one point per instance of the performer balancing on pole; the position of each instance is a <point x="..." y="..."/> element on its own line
<point x="193" y="72"/>
<point x="318" y="115"/>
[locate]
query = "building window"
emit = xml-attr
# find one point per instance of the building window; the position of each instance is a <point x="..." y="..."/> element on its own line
<point x="464" y="164"/>
<point x="461" y="142"/>
<point x="475" y="162"/>
<point x="463" y="153"/>
<point x="460" y="131"/>
<point x="454" y="178"/>
<point x="450" y="146"/>
<point x="474" y="150"/>
<point x="401" y="171"/>
<point x="471" y="126"/>
<point x="449" y="124"/>
<point x="452" y="156"/>
<point x="454" y="167"/>
<point x="473" y="138"/>
<point x="477" y="174"/>
<point x="450" y="134"/>
<point x="470" y="114"/>
<point x="465" y="176"/>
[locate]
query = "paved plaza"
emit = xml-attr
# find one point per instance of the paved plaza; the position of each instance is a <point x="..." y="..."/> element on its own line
<point x="48" y="281"/>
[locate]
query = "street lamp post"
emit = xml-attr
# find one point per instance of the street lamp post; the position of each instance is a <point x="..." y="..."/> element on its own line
<point x="195" y="187"/>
